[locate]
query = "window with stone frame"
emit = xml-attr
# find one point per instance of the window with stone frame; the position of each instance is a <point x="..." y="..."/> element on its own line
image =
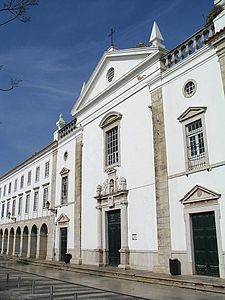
<point x="196" y="154"/>
<point x="37" y="174"/>
<point x="27" y="203"/>
<point x="64" y="185"/>
<point x="21" y="181"/>
<point x="3" y="209"/>
<point x="110" y="125"/>
<point x="29" y="178"/>
<point x="15" y="185"/>
<point x="14" y="207"/>
<point x="7" y="207"/>
<point x="47" y="164"/>
<point x="45" y="196"/>
<point x="10" y="188"/>
<point x="4" y="190"/>
<point x="36" y="197"/>
<point x="20" y="205"/>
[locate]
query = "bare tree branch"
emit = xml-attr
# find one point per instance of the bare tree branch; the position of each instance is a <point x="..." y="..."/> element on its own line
<point x="15" y="9"/>
<point x="11" y="10"/>
<point x="14" y="84"/>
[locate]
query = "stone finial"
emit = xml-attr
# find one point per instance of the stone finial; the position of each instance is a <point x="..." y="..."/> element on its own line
<point x="123" y="183"/>
<point x="60" y="123"/>
<point x="99" y="190"/>
<point x="156" y="38"/>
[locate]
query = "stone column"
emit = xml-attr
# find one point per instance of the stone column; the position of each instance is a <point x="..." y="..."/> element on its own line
<point x="124" y="251"/>
<point x="38" y="243"/>
<point x="2" y="244"/>
<point x="161" y="183"/>
<point x="28" y="244"/>
<point x="21" y="244"/>
<point x="77" y="202"/>
<point x="7" y="250"/>
<point x="14" y="245"/>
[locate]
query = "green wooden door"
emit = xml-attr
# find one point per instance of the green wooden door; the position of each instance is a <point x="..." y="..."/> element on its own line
<point x="63" y="242"/>
<point x="114" y="237"/>
<point x="205" y="244"/>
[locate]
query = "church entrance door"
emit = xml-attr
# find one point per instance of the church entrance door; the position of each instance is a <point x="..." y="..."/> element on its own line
<point x="114" y="237"/>
<point x="205" y="244"/>
<point x="63" y="242"/>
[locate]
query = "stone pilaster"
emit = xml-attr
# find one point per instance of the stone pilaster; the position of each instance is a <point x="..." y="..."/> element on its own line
<point x="99" y="250"/>
<point x="77" y="203"/>
<point x="53" y="179"/>
<point x="218" y="41"/>
<point x="124" y="251"/>
<point x="161" y="183"/>
<point x="28" y="246"/>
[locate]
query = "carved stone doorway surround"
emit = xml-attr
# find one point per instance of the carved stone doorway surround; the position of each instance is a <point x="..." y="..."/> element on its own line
<point x="199" y="200"/>
<point x="112" y="195"/>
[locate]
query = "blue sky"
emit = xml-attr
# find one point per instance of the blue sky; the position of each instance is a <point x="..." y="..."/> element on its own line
<point x="58" y="50"/>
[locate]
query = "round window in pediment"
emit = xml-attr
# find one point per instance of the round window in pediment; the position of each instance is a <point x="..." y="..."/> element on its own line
<point x="110" y="74"/>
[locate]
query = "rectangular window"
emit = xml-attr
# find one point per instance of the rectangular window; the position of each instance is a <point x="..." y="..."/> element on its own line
<point x="45" y="196"/>
<point x="10" y="187"/>
<point x="36" y="196"/>
<point x="7" y="207"/>
<point x="195" y="145"/>
<point x="37" y="174"/>
<point x="112" y="149"/>
<point x="64" y="195"/>
<point x="4" y="190"/>
<point x="15" y="185"/>
<point x="47" y="169"/>
<point x="27" y="203"/>
<point x="20" y="205"/>
<point x="29" y="178"/>
<point x="14" y="207"/>
<point x="3" y="209"/>
<point x="21" y="181"/>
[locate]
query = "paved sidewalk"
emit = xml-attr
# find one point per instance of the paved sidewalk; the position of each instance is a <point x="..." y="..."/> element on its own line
<point x="204" y="283"/>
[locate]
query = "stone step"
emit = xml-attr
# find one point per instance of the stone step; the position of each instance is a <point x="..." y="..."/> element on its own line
<point x="216" y="285"/>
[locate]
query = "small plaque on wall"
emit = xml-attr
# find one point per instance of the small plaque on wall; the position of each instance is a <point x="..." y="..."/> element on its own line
<point x="134" y="236"/>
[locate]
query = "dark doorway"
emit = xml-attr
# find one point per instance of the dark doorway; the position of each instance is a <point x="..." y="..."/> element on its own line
<point x="63" y="242"/>
<point x="205" y="244"/>
<point x="114" y="235"/>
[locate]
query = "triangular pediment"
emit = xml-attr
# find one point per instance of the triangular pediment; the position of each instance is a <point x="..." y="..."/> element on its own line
<point x="199" y="193"/>
<point x="63" y="219"/>
<point x="124" y="62"/>
<point x="191" y="112"/>
<point x="64" y="171"/>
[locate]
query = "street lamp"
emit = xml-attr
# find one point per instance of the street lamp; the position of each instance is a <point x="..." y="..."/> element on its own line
<point x="53" y="210"/>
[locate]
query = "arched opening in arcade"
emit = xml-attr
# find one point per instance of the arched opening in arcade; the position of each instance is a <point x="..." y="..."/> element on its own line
<point x="33" y="241"/>
<point x="17" y="241"/>
<point x="25" y="241"/>
<point x="5" y="242"/>
<point x="1" y="240"/>
<point x="43" y="241"/>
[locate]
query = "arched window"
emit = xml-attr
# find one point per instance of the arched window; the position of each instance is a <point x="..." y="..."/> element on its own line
<point x="111" y="134"/>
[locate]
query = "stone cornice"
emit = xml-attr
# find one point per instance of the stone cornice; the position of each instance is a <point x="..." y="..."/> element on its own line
<point x="29" y="160"/>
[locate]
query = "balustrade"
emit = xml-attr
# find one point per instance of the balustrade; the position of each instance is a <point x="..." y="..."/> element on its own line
<point x="188" y="47"/>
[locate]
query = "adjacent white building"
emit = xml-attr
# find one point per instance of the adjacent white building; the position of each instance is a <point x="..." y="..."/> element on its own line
<point x="137" y="177"/>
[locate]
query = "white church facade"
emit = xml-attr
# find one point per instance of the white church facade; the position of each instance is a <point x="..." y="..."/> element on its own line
<point x="137" y="177"/>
